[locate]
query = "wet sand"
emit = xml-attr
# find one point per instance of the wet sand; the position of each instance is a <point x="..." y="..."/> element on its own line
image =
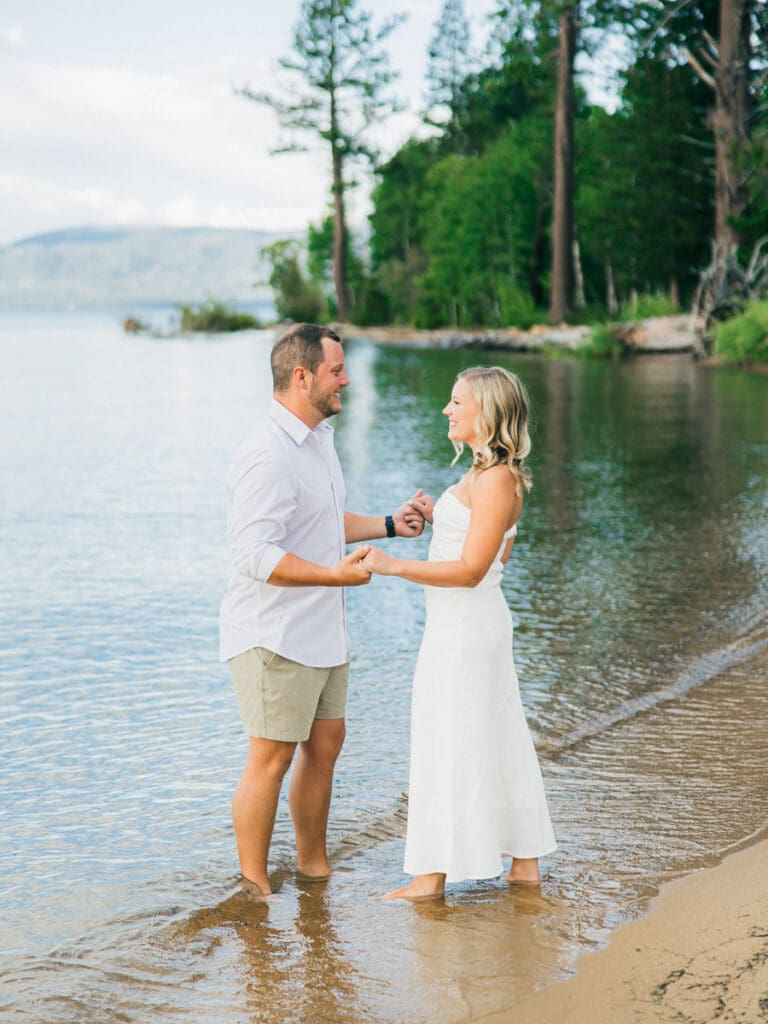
<point x="701" y="954"/>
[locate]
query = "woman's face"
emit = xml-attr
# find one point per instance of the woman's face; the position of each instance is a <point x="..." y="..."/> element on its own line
<point x="461" y="411"/>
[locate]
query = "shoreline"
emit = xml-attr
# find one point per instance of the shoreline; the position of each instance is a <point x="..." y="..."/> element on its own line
<point x="653" y="336"/>
<point x="700" y="953"/>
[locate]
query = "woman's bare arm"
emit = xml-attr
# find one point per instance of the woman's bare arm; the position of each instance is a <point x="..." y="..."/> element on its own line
<point x="494" y="501"/>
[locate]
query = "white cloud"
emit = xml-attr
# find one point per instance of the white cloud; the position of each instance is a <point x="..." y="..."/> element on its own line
<point x="14" y="36"/>
<point x="154" y="132"/>
<point x="44" y="201"/>
<point x="176" y="148"/>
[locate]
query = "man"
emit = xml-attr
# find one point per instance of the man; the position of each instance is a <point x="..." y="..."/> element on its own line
<point x="283" y="628"/>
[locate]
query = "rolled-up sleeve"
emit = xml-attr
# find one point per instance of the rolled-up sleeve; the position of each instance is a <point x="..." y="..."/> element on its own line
<point x="262" y="498"/>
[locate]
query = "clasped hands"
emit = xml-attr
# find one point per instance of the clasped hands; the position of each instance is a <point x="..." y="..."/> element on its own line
<point x="358" y="567"/>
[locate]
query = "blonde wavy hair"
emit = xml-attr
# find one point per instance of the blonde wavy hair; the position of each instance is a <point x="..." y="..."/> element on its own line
<point x="501" y="424"/>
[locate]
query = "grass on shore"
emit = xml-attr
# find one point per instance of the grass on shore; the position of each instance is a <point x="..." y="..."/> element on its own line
<point x="743" y="340"/>
<point x="606" y="343"/>
<point x="215" y="318"/>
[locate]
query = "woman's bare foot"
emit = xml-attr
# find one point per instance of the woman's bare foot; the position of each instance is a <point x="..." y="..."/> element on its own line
<point x="423" y="887"/>
<point x="524" y="871"/>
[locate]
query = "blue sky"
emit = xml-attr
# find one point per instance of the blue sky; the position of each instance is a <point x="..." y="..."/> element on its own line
<point x="121" y="113"/>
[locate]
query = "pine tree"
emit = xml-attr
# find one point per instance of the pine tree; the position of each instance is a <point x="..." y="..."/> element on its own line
<point x="336" y="87"/>
<point x="449" y="64"/>
<point x="561" y="294"/>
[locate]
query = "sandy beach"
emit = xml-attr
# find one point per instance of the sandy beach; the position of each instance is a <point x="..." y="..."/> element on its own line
<point x="701" y="954"/>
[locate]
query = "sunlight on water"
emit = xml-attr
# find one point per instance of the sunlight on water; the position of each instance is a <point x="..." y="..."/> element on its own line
<point x="639" y="594"/>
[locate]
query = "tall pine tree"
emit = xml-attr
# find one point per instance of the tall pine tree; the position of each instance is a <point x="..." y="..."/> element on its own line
<point x="336" y="86"/>
<point x="449" y="65"/>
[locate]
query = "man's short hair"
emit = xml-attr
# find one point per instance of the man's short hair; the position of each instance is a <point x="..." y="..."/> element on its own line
<point x="298" y="345"/>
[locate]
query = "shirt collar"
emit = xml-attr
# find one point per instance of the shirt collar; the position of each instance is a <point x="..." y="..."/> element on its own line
<point x="295" y="428"/>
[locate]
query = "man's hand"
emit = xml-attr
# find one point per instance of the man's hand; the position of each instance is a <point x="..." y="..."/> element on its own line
<point x="409" y="518"/>
<point x="349" y="572"/>
<point x="379" y="562"/>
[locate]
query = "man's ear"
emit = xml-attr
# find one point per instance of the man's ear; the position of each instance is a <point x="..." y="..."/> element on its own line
<point x="301" y="377"/>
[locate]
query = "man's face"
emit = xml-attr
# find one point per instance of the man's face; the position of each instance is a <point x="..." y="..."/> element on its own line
<point x="328" y="380"/>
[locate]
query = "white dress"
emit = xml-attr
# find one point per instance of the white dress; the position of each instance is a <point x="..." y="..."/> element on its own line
<point x="475" y="789"/>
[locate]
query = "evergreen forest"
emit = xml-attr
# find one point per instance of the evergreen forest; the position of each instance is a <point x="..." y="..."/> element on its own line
<point x="519" y="200"/>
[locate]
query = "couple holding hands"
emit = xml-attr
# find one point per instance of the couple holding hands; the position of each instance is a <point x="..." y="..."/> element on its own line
<point x="475" y="788"/>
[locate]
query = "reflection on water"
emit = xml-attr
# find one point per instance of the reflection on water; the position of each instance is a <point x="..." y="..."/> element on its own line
<point x="638" y="590"/>
<point x="292" y="967"/>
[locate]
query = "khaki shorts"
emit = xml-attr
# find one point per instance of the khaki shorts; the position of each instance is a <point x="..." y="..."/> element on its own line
<point x="279" y="699"/>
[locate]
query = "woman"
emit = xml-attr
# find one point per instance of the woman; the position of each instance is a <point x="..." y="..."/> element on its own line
<point x="475" y="787"/>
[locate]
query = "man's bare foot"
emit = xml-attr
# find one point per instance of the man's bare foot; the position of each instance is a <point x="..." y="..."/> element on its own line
<point x="524" y="871"/>
<point x="314" y="871"/>
<point x="255" y="890"/>
<point x="304" y="877"/>
<point x="423" y="887"/>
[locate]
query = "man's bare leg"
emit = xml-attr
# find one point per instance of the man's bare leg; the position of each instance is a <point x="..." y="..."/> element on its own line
<point x="254" y="806"/>
<point x="310" y="794"/>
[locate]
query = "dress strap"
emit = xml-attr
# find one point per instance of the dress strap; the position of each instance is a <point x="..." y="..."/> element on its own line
<point x="511" y="532"/>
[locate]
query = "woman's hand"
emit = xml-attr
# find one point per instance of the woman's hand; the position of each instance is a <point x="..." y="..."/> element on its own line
<point x="409" y="520"/>
<point x="423" y="504"/>
<point x="379" y="562"/>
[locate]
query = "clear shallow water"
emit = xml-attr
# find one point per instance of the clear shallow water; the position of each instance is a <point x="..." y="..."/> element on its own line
<point x="638" y="589"/>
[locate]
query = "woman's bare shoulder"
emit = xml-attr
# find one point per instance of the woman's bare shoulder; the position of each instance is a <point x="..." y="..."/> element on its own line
<point x="496" y="483"/>
<point x="496" y="480"/>
<point x="498" y="486"/>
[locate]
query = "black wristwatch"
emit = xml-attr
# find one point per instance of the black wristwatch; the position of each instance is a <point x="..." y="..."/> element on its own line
<point x="389" y="522"/>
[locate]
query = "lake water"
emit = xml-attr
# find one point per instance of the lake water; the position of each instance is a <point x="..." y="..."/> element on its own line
<point x="639" y="592"/>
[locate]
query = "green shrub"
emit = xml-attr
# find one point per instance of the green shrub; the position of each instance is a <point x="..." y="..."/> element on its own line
<point x="516" y="307"/>
<point x="605" y="343"/>
<point x="642" y="307"/>
<point x="592" y="313"/>
<point x="296" y="297"/>
<point x="215" y="318"/>
<point x="744" y="338"/>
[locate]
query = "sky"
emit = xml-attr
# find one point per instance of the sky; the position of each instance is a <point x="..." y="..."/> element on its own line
<point x="127" y="114"/>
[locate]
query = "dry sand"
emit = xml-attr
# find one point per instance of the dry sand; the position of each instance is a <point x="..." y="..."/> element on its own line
<point x="700" y="955"/>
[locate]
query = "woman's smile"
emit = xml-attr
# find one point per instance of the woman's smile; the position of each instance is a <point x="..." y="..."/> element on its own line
<point x="461" y="410"/>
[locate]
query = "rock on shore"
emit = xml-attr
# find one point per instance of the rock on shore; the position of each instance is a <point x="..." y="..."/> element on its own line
<point x="660" y="334"/>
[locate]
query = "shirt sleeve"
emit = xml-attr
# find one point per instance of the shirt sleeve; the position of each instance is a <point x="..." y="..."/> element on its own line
<point x="263" y="498"/>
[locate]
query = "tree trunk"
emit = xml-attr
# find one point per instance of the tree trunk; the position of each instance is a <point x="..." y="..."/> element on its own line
<point x="538" y="257"/>
<point x="578" y="275"/>
<point x="610" y="290"/>
<point x="730" y="117"/>
<point x="561" y="297"/>
<point x="339" y="240"/>
<point x="339" y="219"/>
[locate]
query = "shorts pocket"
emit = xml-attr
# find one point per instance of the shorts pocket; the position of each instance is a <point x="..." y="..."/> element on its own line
<point x="266" y="656"/>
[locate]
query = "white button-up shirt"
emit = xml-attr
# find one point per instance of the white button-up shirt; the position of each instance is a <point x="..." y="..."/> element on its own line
<point x="286" y="494"/>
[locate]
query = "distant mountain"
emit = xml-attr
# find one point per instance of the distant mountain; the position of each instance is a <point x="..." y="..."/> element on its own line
<point x="117" y="268"/>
